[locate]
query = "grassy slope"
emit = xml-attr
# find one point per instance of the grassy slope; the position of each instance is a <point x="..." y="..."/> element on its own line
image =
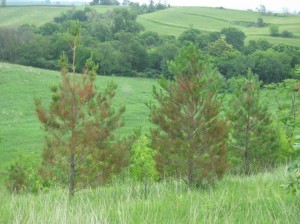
<point x="20" y="130"/>
<point x="36" y="15"/>
<point x="252" y="199"/>
<point x="175" y="20"/>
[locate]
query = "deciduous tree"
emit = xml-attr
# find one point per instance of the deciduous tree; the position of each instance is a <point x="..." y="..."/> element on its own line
<point x="234" y="37"/>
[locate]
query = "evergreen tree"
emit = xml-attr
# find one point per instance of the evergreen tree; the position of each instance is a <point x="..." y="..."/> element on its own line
<point x="255" y="140"/>
<point x="80" y="148"/>
<point x="190" y="135"/>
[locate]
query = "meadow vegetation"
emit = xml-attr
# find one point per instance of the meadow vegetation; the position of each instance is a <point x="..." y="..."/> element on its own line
<point x="235" y="199"/>
<point x="210" y="142"/>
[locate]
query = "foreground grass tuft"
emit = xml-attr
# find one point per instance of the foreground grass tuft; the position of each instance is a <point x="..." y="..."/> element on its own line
<point x="235" y="199"/>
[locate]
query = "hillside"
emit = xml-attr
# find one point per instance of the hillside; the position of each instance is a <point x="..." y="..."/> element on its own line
<point x="175" y="20"/>
<point x="20" y="131"/>
<point x="36" y="15"/>
<point x="172" y="21"/>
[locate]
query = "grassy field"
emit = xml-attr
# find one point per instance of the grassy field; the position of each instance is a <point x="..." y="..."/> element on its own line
<point x="175" y="20"/>
<point x="20" y="131"/>
<point x="235" y="199"/>
<point x="36" y="15"/>
<point x="172" y="21"/>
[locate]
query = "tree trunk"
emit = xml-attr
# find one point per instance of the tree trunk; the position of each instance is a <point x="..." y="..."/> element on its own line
<point x="72" y="175"/>
<point x="246" y="152"/>
<point x="72" y="167"/>
<point x="247" y="165"/>
<point x="191" y="172"/>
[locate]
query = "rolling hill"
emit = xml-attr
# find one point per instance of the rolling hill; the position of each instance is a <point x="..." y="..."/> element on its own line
<point x="172" y="21"/>
<point x="175" y="20"/>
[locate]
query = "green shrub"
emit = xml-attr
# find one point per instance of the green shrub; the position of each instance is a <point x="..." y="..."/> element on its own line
<point x="286" y="33"/>
<point x="142" y="163"/>
<point x="293" y="182"/>
<point x="22" y="176"/>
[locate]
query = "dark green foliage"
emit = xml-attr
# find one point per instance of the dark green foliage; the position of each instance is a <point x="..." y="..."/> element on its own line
<point x="150" y="39"/>
<point x="274" y="30"/>
<point x="49" y="29"/>
<point x="270" y="66"/>
<point x="79" y="15"/>
<point x="190" y="134"/>
<point x="232" y="64"/>
<point x="135" y="56"/>
<point x="291" y="51"/>
<point x="191" y="35"/>
<point x="254" y="45"/>
<point x="255" y="141"/>
<point x="234" y="37"/>
<point x="124" y="20"/>
<point x="195" y="36"/>
<point x="286" y="33"/>
<point x="260" y="22"/>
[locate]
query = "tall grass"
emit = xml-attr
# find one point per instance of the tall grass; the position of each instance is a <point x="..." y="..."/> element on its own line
<point x="235" y="199"/>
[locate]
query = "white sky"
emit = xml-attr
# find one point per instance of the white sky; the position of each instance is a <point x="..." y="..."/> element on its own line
<point x="273" y="5"/>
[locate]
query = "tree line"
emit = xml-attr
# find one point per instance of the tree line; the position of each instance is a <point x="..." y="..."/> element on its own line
<point x="119" y="44"/>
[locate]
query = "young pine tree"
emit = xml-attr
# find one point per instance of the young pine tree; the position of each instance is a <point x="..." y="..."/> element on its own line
<point x="190" y="133"/>
<point x="80" y="148"/>
<point x="255" y="139"/>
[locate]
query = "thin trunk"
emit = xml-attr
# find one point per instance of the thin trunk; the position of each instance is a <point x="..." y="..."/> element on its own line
<point x="191" y="172"/>
<point x="246" y="148"/>
<point x="73" y="139"/>
<point x="72" y="175"/>
<point x="246" y="158"/>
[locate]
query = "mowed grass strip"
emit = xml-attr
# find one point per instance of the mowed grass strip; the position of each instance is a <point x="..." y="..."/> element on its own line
<point x="20" y="130"/>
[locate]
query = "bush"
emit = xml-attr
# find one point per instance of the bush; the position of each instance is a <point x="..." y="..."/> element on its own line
<point x="286" y="33"/>
<point x="293" y="182"/>
<point x="142" y="164"/>
<point x="23" y="176"/>
<point x="274" y="30"/>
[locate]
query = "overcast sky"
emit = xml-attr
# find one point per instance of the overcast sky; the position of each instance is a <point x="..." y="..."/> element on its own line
<point x="273" y="5"/>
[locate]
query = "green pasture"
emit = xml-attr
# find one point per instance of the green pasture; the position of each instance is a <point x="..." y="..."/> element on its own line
<point x="36" y="15"/>
<point x="20" y="130"/>
<point x="175" y="20"/>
